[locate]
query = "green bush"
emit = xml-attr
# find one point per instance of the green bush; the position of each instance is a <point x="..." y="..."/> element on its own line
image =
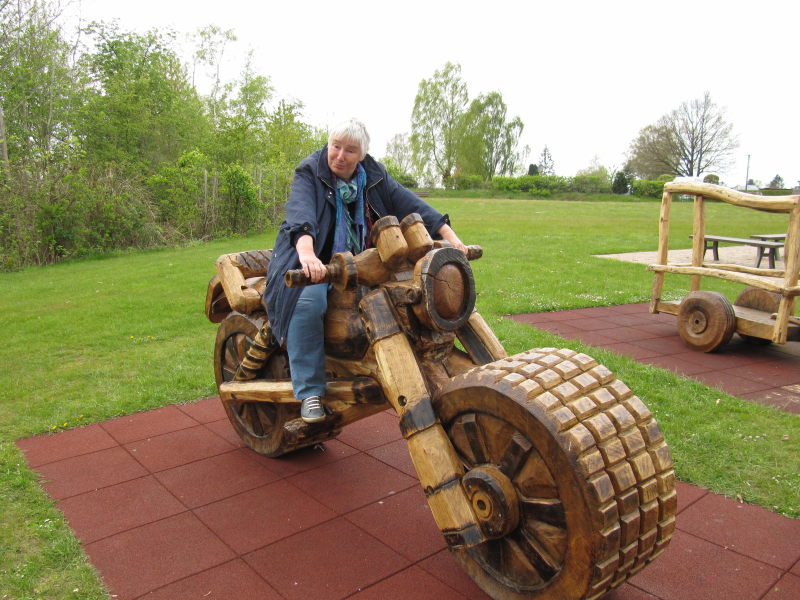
<point x="552" y="183"/>
<point x="534" y="184"/>
<point x="180" y="194"/>
<point x="406" y="180"/>
<point x="589" y="184"/>
<point x="775" y="192"/>
<point x="400" y="176"/>
<point x="505" y="184"/>
<point x="239" y="199"/>
<point x="70" y="214"/>
<point x="647" y="188"/>
<point x="468" y="182"/>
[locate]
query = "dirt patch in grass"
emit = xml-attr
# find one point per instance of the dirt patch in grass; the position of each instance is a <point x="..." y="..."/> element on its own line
<point x="738" y="255"/>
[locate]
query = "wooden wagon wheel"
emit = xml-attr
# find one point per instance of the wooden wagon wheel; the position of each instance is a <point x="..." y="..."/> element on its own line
<point x="763" y="300"/>
<point x="260" y="425"/>
<point x="706" y="320"/>
<point x="566" y="470"/>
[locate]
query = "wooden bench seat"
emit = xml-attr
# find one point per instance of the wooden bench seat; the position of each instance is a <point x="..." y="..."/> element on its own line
<point x="770" y="247"/>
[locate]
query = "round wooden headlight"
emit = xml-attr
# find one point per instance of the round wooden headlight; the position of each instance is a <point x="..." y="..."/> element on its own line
<point x="447" y="289"/>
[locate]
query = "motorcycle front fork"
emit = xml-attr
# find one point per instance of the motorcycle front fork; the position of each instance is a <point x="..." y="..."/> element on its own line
<point x="435" y="460"/>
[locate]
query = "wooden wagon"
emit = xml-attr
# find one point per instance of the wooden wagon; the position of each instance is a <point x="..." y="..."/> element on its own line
<point x="763" y="312"/>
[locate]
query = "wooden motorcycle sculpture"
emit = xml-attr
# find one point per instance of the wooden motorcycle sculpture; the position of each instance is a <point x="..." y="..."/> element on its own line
<point x="547" y="476"/>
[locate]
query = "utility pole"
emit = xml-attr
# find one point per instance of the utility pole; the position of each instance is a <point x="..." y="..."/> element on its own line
<point x="747" y="174"/>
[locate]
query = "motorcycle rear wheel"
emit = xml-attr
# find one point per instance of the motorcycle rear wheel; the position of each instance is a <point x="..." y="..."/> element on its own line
<point x="567" y="471"/>
<point x="259" y="425"/>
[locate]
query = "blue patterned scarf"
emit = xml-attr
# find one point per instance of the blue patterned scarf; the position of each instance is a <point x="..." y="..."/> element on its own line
<point x="350" y="233"/>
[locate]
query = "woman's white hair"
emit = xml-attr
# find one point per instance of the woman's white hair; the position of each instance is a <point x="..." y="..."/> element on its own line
<point x="351" y="130"/>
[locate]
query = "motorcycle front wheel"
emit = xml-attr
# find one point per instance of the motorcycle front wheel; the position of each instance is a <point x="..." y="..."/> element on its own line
<point x="567" y="472"/>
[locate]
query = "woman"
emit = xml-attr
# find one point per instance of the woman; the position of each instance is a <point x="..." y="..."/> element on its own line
<point x="336" y="195"/>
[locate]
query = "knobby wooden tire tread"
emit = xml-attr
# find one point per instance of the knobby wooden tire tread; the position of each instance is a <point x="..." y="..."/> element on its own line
<point x="613" y="442"/>
<point x="253" y="263"/>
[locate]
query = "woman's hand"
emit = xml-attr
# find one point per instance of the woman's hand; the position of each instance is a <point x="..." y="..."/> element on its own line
<point x="448" y="234"/>
<point x="311" y="265"/>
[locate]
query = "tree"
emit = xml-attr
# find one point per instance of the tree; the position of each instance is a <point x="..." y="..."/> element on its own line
<point x="711" y="178"/>
<point x="242" y="121"/>
<point x="211" y="41"/>
<point x="398" y="150"/>
<point x="533" y="169"/>
<point x="620" y="185"/>
<point x="691" y="140"/>
<point x="399" y="160"/>
<point x="436" y="121"/>
<point x="776" y="183"/>
<point x="546" y="163"/>
<point x="595" y="169"/>
<point x="646" y="156"/>
<point x="3" y="144"/>
<point x="288" y="141"/>
<point x="402" y="177"/>
<point x="487" y="146"/>
<point x="39" y="86"/>
<point x="593" y="179"/>
<point x="142" y="110"/>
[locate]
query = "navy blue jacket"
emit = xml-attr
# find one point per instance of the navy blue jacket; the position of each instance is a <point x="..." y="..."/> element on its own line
<point x="311" y="210"/>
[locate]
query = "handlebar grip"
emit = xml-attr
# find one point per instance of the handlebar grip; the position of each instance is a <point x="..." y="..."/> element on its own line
<point x="298" y="278"/>
<point x="474" y="252"/>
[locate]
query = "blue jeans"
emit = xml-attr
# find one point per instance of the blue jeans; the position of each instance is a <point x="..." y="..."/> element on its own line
<point x="305" y="342"/>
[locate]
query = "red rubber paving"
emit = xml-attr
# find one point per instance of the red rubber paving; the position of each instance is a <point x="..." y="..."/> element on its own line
<point x="169" y="505"/>
<point x="768" y="375"/>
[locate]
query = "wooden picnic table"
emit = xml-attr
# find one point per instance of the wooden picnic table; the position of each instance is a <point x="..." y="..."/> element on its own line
<point x="768" y="247"/>
<point x="771" y="237"/>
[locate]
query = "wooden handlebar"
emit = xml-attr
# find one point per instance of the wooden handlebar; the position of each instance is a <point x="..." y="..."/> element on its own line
<point x="474" y="252"/>
<point x="298" y="278"/>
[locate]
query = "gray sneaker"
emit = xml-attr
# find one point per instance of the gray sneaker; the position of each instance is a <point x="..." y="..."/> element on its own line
<point x="312" y="410"/>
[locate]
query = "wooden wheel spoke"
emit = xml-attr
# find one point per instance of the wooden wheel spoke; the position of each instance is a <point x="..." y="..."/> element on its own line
<point x="548" y="510"/>
<point x="228" y="371"/>
<point x="266" y="415"/>
<point x="474" y="437"/>
<point x="497" y="435"/>
<point x="533" y="479"/>
<point x="492" y="554"/>
<point x="553" y="539"/>
<point x="253" y="419"/>
<point x="518" y="561"/>
<point x="535" y="554"/>
<point x="242" y="344"/>
<point x="515" y="454"/>
<point x="232" y="351"/>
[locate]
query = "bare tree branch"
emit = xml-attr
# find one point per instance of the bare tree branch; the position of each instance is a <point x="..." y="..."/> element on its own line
<point x="689" y="141"/>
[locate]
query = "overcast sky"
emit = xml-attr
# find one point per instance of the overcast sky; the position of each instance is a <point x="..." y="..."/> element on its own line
<point x="584" y="76"/>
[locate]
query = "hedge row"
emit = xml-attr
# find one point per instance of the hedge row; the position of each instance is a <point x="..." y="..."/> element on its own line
<point x="544" y="185"/>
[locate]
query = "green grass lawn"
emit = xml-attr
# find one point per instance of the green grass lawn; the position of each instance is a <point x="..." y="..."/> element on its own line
<point x="95" y="339"/>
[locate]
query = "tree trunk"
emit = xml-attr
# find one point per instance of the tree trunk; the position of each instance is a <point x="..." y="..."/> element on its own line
<point x="3" y="144"/>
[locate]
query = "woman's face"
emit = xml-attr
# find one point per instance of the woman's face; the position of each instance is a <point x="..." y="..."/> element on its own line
<point x="343" y="156"/>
